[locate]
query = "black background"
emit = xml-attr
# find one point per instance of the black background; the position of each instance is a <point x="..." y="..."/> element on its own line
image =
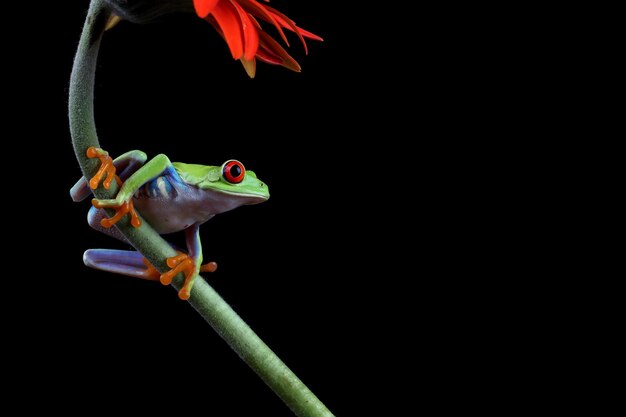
<point x="310" y="270"/>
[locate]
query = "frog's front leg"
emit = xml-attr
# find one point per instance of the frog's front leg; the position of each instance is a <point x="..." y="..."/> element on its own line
<point x="124" y="165"/>
<point x="123" y="203"/>
<point x="190" y="265"/>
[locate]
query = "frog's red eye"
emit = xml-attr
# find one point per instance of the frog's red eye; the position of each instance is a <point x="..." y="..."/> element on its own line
<point x="233" y="171"/>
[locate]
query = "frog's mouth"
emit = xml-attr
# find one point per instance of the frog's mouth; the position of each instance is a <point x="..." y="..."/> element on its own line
<point x="256" y="199"/>
<point x="249" y="198"/>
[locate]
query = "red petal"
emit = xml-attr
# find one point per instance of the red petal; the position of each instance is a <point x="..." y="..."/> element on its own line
<point x="261" y="12"/>
<point x="204" y="7"/>
<point x="250" y="34"/>
<point x="268" y="59"/>
<point x="287" y="23"/>
<point x="310" y="35"/>
<point x="271" y="52"/>
<point x="227" y="17"/>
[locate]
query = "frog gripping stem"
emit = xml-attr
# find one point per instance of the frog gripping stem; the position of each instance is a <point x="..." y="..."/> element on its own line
<point x="120" y="211"/>
<point x="180" y="263"/>
<point x="106" y="167"/>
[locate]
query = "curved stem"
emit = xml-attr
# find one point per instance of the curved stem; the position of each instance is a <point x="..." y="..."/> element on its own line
<point x="203" y="297"/>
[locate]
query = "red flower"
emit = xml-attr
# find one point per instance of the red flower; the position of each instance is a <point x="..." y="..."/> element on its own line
<point x="236" y="21"/>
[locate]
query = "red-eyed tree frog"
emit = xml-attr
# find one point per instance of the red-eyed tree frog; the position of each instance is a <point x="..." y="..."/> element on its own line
<point x="171" y="197"/>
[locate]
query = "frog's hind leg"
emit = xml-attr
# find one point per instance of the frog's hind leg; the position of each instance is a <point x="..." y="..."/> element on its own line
<point x="124" y="262"/>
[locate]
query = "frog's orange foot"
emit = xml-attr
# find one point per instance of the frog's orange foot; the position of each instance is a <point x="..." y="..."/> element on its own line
<point x="209" y="267"/>
<point x="106" y="168"/>
<point x="120" y="211"/>
<point x="180" y="263"/>
<point x="150" y="273"/>
<point x="185" y="264"/>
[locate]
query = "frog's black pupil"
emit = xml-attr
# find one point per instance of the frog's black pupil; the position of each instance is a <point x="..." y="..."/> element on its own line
<point x="235" y="171"/>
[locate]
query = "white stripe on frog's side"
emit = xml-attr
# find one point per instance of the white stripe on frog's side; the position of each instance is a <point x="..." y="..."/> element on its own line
<point x="159" y="187"/>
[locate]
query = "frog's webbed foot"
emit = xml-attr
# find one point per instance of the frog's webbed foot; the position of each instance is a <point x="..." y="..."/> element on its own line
<point x="185" y="264"/>
<point x="121" y="209"/>
<point x="106" y="168"/>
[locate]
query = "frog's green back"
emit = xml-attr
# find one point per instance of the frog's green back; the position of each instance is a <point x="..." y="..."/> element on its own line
<point x="194" y="174"/>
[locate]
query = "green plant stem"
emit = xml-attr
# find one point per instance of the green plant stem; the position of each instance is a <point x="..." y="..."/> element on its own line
<point x="203" y="297"/>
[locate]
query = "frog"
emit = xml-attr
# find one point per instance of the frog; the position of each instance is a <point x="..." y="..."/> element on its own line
<point x="171" y="197"/>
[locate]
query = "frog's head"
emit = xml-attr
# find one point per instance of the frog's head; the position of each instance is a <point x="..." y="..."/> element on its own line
<point x="231" y="180"/>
